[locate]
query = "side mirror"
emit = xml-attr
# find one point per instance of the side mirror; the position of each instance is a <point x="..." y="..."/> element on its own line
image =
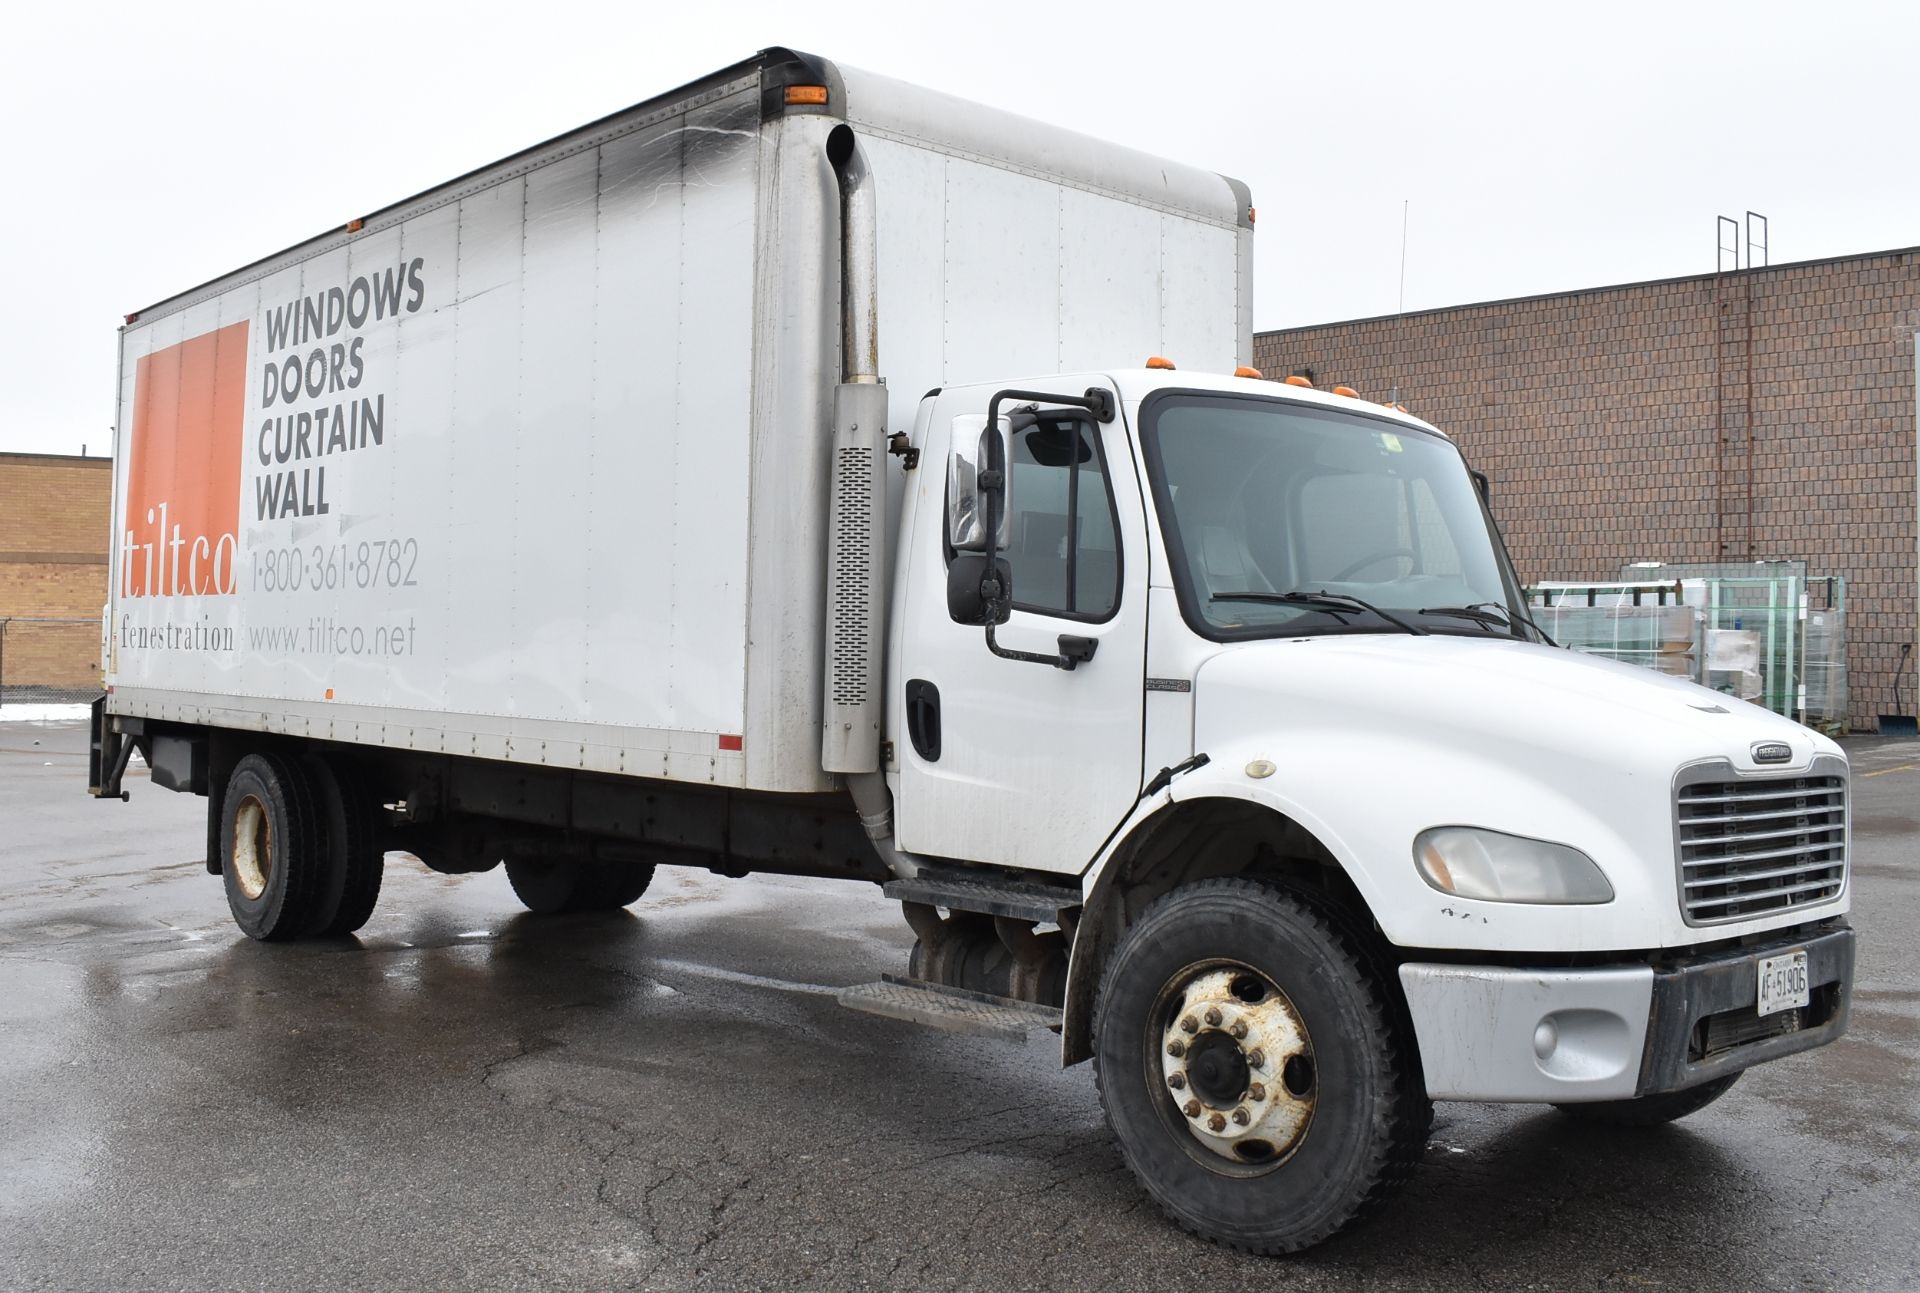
<point x="965" y="604"/>
<point x="966" y="497"/>
<point x="1480" y="483"/>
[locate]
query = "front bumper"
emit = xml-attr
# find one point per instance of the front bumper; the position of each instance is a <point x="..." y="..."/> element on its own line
<point x="1619" y="1031"/>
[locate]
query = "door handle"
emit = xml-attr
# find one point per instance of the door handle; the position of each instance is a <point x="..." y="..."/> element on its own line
<point x="923" y="718"/>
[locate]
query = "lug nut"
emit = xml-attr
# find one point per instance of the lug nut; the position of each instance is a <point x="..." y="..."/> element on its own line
<point x="1192" y="1109"/>
<point x="1257" y="1059"/>
<point x="1213" y="1016"/>
<point x="1176" y="1080"/>
<point x="1239" y="1029"/>
<point x="1216" y="1123"/>
<point x="1190" y="1025"/>
<point x="1176" y="1048"/>
<point x="1242" y="1117"/>
<point x="1258" y="1091"/>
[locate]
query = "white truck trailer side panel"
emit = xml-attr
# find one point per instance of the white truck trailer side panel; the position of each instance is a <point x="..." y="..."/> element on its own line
<point x="485" y="462"/>
<point x="1010" y="248"/>
<point x="579" y="414"/>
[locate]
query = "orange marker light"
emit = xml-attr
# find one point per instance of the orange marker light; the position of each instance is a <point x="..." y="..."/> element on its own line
<point x="1244" y="371"/>
<point x="355" y="226"/>
<point x="1159" y="361"/>
<point x="329" y="693"/>
<point x="1296" y="379"/>
<point x="1347" y="391"/>
<point x="814" y="94"/>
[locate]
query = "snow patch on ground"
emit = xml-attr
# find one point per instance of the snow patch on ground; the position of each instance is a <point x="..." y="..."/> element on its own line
<point x="43" y="713"/>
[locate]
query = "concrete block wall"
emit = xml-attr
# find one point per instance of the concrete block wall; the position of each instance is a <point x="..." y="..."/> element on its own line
<point x="53" y="565"/>
<point x="1597" y="416"/>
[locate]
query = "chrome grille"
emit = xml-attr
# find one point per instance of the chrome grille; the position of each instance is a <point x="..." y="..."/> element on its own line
<point x="1760" y="845"/>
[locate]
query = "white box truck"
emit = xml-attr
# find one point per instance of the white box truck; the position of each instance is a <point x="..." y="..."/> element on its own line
<point x="772" y="477"/>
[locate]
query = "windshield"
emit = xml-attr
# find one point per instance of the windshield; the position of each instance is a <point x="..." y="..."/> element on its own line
<point x="1263" y="498"/>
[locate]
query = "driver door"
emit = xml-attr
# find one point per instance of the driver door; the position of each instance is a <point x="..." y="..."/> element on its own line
<point x="1006" y="761"/>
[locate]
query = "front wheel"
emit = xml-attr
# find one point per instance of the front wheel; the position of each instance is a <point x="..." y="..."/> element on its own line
<point x="1253" y="1069"/>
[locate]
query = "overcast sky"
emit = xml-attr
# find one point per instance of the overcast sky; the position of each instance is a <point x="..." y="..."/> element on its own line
<point x="1542" y="146"/>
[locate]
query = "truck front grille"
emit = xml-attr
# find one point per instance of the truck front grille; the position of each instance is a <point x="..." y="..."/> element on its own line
<point x="1757" y="846"/>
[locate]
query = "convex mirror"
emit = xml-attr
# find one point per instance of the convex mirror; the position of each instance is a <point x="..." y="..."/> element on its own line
<point x="966" y="503"/>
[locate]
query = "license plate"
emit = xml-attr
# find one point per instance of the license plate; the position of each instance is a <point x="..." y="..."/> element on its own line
<point x="1783" y="983"/>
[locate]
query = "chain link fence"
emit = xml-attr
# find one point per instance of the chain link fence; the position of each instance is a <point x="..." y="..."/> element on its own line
<point x="48" y="661"/>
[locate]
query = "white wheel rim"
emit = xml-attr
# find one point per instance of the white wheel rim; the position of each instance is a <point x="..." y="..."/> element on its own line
<point x="252" y="847"/>
<point x="1262" y="1110"/>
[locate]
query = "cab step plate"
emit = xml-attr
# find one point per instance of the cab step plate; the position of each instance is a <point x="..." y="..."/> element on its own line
<point x="1019" y="899"/>
<point x="952" y="1009"/>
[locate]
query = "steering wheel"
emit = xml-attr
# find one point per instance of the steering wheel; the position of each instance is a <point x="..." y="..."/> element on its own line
<point x="1364" y="562"/>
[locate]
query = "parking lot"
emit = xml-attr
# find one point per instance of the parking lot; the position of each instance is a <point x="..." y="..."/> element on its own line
<point x="467" y="1096"/>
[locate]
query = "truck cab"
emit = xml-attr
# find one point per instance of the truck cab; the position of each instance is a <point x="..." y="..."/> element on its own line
<point x="1195" y="644"/>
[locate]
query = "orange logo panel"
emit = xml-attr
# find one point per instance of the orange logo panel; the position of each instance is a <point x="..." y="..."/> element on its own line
<point x="183" y="469"/>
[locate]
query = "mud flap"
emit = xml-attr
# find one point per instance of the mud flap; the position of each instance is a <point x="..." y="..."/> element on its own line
<point x="107" y="754"/>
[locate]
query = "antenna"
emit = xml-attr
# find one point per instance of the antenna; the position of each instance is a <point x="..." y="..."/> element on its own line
<point x="1401" y="308"/>
<point x="1405" y="205"/>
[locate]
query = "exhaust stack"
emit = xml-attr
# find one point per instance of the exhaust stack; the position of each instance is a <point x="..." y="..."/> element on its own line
<point x="856" y="533"/>
<point x="856" y="542"/>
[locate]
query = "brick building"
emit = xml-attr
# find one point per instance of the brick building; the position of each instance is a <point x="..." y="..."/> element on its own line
<point x="1762" y="413"/>
<point x="53" y="572"/>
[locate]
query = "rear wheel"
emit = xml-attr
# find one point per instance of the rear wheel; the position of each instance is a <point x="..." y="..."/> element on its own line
<point x="549" y="887"/>
<point x="273" y="858"/>
<point x="355" y="859"/>
<point x="1252" y="1068"/>
<point x="1651" y="1110"/>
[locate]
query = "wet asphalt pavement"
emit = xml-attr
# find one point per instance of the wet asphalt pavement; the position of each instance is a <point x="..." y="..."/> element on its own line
<point x="466" y="1096"/>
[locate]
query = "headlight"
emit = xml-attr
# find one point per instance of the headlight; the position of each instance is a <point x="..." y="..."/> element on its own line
<point x="1471" y="863"/>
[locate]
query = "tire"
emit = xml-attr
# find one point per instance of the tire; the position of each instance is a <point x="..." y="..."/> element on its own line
<point x="552" y="887"/>
<point x="1333" y="1128"/>
<point x="625" y="883"/>
<point x="544" y="888"/>
<point x="1651" y="1110"/>
<point x="273" y="860"/>
<point x="355" y="860"/>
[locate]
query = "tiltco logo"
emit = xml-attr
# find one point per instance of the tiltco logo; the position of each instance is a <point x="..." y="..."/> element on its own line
<point x="1772" y="752"/>
<point x="183" y="472"/>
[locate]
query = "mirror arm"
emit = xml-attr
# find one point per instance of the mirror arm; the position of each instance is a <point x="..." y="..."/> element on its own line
<point x="1074" y="651"/>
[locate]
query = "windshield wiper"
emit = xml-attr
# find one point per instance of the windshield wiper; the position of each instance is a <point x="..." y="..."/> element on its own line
<point x="1474" y="613"/>
<point x="1324" y="601"/>
<point x="1506" y="618"/>
<point x="1526" y="619"/>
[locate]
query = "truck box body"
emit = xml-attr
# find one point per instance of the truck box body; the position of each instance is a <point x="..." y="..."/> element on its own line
<point x="534" y="466"/>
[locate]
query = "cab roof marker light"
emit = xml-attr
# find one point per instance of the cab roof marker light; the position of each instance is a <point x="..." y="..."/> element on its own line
<point x="1296" y="379"/>
<point x="1347" y="391"/>
<point x="1244" y="371"/>
<point x="1160" y="361"/>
